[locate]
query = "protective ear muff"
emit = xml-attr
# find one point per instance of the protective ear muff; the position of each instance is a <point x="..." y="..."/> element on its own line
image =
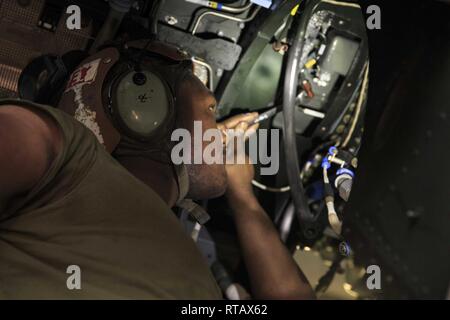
<point x="141" y="103"/>
<point x="44" y="78"/>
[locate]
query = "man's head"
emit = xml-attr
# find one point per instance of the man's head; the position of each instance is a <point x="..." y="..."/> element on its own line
<point x="92" y="97"/>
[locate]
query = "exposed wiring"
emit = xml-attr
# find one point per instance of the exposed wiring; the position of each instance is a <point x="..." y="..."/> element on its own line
<point x="325" y="281"/>
<point x="358" y="109"/>
<point x="333" y="218"/>
<point x="270" y="189"/>
<point x="282" y="189"/>
<point x="308" y="165"/>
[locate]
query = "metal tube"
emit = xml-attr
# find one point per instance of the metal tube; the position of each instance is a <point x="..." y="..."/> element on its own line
<point x="210" y="72"/>
<point x="237" y="9"/>
<point x="289" y="104"/>
<point x="221" y="7"/>
<point x="225" y="16"/>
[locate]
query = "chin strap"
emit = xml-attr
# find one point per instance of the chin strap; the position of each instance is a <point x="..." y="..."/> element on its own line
<point x="194" y="210"/>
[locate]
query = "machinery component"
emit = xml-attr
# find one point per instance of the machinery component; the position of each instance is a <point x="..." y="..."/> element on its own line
<point x="118" y="10"/>
<point x="220" y="6"/>
<point x="219" y="53"/>
<point x="22" y="39"/>
<point x="209" y="76"/>
<point x="250" y="68"/>
<point x="359" y="106"/>
<point x="322" y="56"/>
<point x="345" y="249"/>
<point x="265" y="115"/>
<point x="344" y="182"/>
<point x="264" y="3"/>
<point x="221" y="15"/>
<point x="308" y="89"/>
<point x="186" y="13"/>
<point x="202" y="72"/>
<point x="44" y="78"/>
<point x="327" y="57"/>
<point x="333" y="218"/>
<point x="290" y="91"/>
<point x="50" y="17"/>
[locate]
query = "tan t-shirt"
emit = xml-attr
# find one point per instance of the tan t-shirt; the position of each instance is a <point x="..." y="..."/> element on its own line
<point x="88" y="211"/>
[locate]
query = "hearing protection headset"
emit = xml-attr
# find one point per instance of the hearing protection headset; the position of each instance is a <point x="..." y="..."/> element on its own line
<point x="140" y="94"/>
<point x="126" y="96"/>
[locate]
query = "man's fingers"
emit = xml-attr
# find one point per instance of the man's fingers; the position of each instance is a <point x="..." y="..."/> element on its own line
<point x="251" y="130"/>
<point x="241" y="128"/>
<point x="234" y="121"/>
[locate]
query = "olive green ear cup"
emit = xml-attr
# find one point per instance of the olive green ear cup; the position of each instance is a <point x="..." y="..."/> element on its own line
<point x="142" y="102"/>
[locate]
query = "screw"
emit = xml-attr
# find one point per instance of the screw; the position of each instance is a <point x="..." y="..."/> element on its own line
<point x="139" y="78"/>
<point x="171" y="20"/>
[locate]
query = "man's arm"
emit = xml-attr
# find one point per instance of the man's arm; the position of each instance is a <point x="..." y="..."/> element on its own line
<point x="29" y="142"/>
<point x="272" y="270"/>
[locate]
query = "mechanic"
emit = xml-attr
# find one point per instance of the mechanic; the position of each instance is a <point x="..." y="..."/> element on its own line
<point x="74" y="196"/>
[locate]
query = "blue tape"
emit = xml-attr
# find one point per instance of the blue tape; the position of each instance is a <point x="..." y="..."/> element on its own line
<point x="332" y="151"/>
<point x="325" y="163"/>
<point x="345" y="171"/>
<point x="219" y="6"/>
<point x="345" y="249"/>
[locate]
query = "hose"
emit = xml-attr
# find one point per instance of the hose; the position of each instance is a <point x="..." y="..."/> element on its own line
<point x="289" y="102"/>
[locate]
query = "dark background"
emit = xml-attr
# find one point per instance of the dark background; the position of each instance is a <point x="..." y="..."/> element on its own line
<point x="399" y="213"/>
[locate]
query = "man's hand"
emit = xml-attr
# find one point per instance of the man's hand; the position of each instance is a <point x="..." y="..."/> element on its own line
<point x="240" y="176"/>
<point x="240" y="123"/>
<point x="273" y="272"/>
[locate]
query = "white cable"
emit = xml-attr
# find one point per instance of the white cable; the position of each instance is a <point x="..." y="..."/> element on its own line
<point x="325" y="176"/>
<point x="333" y="218"/>
<point x="270" y="189"/>
<point x="283" y="189"/>
<point x="359" y="104"/>
<point x="343" y="4"/>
